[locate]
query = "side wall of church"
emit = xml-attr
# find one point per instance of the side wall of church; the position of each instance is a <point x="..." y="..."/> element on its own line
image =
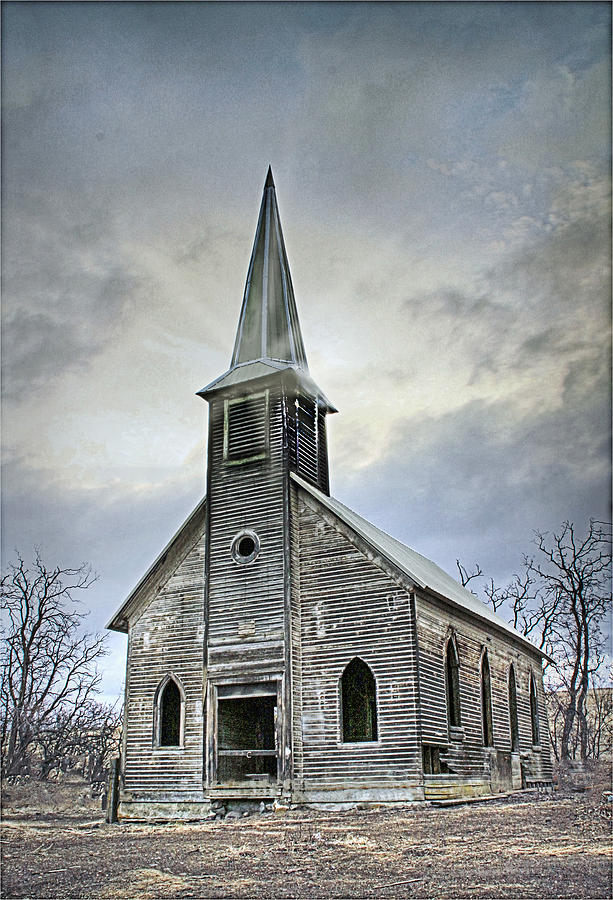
<point x="467" y="755"/>
<point x="167" y="639"/>
<point x="345" y="606"/>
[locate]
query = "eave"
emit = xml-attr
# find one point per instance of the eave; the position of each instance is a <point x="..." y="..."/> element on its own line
<point x="156" y="571"/>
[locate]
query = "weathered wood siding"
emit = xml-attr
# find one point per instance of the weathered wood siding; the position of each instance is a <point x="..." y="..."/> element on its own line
<point x="467" y="756"/>
<point x="246" y="602"/>
<point x="348" y="607"/>
<point x="296" y="637"/>
<point x="166" y="637"/>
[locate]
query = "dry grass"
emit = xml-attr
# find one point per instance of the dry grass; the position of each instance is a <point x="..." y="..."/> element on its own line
<point x="522" y="847"/>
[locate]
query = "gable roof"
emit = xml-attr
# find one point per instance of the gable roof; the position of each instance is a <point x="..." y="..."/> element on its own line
<point x="422" y="572"/>
<point x="163" y="566"/>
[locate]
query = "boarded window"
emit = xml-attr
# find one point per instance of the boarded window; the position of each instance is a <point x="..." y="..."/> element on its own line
<point x="359" y="703"/>
<point x="534" y="711"/>
<point x="513" y="711"/>
<point x="170" y="715"/>
<point x="452" y="682"/>
<point x="486" y="702"/>
<point x="246" y="428"/>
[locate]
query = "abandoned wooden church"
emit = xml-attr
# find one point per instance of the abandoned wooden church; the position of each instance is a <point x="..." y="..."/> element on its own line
<point x="283" y="647"/>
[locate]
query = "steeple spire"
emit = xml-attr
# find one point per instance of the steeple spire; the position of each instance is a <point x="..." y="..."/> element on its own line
<point x="268" y="339"/>
<point x="268" y="327"/>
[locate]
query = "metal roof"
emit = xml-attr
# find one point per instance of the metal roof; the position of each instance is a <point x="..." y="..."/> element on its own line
<point x="268" y="326"/>
<point x="420" y="570"/>
<point x="260" y="369"/>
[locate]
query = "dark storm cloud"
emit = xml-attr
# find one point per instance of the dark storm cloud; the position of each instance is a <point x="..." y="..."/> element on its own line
<point x="479" y="480"/>
<point x="547" y="299"/>
<point x="476" y="480"/>
<point x="118" y="529"/>
<point x="65" y="289"/>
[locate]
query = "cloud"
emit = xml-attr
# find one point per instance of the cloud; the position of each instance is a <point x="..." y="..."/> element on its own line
<point x="443" y="187"/>
<point x="66" y="289"/>
<point x="474" y="482"/>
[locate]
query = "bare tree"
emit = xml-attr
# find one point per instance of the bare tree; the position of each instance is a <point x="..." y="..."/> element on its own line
<point x="575" y="575"/>
<point x="559" y="599"/>
<point x="48" y="663"/>
<point x="86" y="740"/>
<point x="465" y="575"/>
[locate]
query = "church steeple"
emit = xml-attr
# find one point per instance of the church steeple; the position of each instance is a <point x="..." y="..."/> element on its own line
<point x="268" y="327"/>
<point x="268" y="338"/>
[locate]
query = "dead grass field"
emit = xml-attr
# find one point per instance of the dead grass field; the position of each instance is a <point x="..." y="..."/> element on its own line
<point x="523" y="846"/>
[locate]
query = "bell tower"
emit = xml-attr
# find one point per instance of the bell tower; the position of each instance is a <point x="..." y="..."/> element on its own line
<point x="267" y="418"/>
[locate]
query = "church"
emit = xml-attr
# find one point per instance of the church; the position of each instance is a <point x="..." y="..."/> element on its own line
<point x="282" y="648"/>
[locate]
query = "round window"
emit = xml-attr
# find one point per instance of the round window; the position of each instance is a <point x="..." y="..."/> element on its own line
<point x="245" y="547"/>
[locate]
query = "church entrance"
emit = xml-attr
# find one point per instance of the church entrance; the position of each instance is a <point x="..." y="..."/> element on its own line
<point x="247" y="734"/>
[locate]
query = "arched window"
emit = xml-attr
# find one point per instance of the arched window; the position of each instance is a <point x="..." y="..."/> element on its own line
<point x="358" y="703"/>
<point x="486" y="701"/>
<point x="452" y="683"/>
<point x="513" y="711"/>
<point x="534" y="711"/>
<point x="169" y="714"/>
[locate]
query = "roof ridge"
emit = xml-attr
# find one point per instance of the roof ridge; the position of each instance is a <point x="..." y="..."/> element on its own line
<point x="430" y="575"/>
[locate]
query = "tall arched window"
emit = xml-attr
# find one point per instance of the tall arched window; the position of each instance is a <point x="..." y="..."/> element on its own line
<point x="452" y="683"/>
<point x="169" y="714"/>
<point x="513" y="711"/>
<point x="486" y="701"/>
<point x="358" y="703"/>
<point x="534" y="711"/>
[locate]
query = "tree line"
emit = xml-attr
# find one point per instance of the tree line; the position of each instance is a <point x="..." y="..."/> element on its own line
<point x="560" y="599"/>
<point x="51" y="718"/>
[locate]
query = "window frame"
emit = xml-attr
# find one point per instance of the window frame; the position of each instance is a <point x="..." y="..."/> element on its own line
<point x="487" y="716"/>
<point x="534" y="712"/>
<point x="157" y="715"/>
<point x="233" y="401"/>
<point x="453" y="694"/>
<point x="513" y="712"/>
<point x="341" y="733"/>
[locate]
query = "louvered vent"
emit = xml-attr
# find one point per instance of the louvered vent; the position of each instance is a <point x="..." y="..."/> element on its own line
<point x="246" y="428"/>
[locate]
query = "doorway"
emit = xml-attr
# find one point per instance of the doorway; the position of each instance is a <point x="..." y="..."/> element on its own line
<point x="246" y="735"/>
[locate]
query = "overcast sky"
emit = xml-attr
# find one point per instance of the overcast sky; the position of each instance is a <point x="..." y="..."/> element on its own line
<point x="442" y="178"/>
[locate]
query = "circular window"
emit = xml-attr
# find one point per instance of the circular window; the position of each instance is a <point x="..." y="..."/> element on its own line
<point x="245" y="547"/>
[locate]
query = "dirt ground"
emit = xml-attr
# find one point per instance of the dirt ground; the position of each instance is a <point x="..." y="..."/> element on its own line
<point x="527" y="845"/>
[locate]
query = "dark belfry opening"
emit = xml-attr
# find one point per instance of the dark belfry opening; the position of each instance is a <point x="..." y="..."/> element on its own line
<point x="513" y="711"/>
<point x="534" y="712"/>
<point x="452" y="682"/>
<point x="486" y="702"/>
<point x="246" y="746"/>
<point x="170" y="715"/>
<point x="359" y="703"/>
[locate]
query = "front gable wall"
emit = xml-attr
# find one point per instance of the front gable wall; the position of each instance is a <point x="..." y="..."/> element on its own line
<point x="167" y="638"/>
<point x="348" y="607"/>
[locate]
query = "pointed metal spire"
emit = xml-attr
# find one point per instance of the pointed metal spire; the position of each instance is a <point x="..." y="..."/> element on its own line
<point x="268" y="327"/>
<point x="268" y="339"/>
